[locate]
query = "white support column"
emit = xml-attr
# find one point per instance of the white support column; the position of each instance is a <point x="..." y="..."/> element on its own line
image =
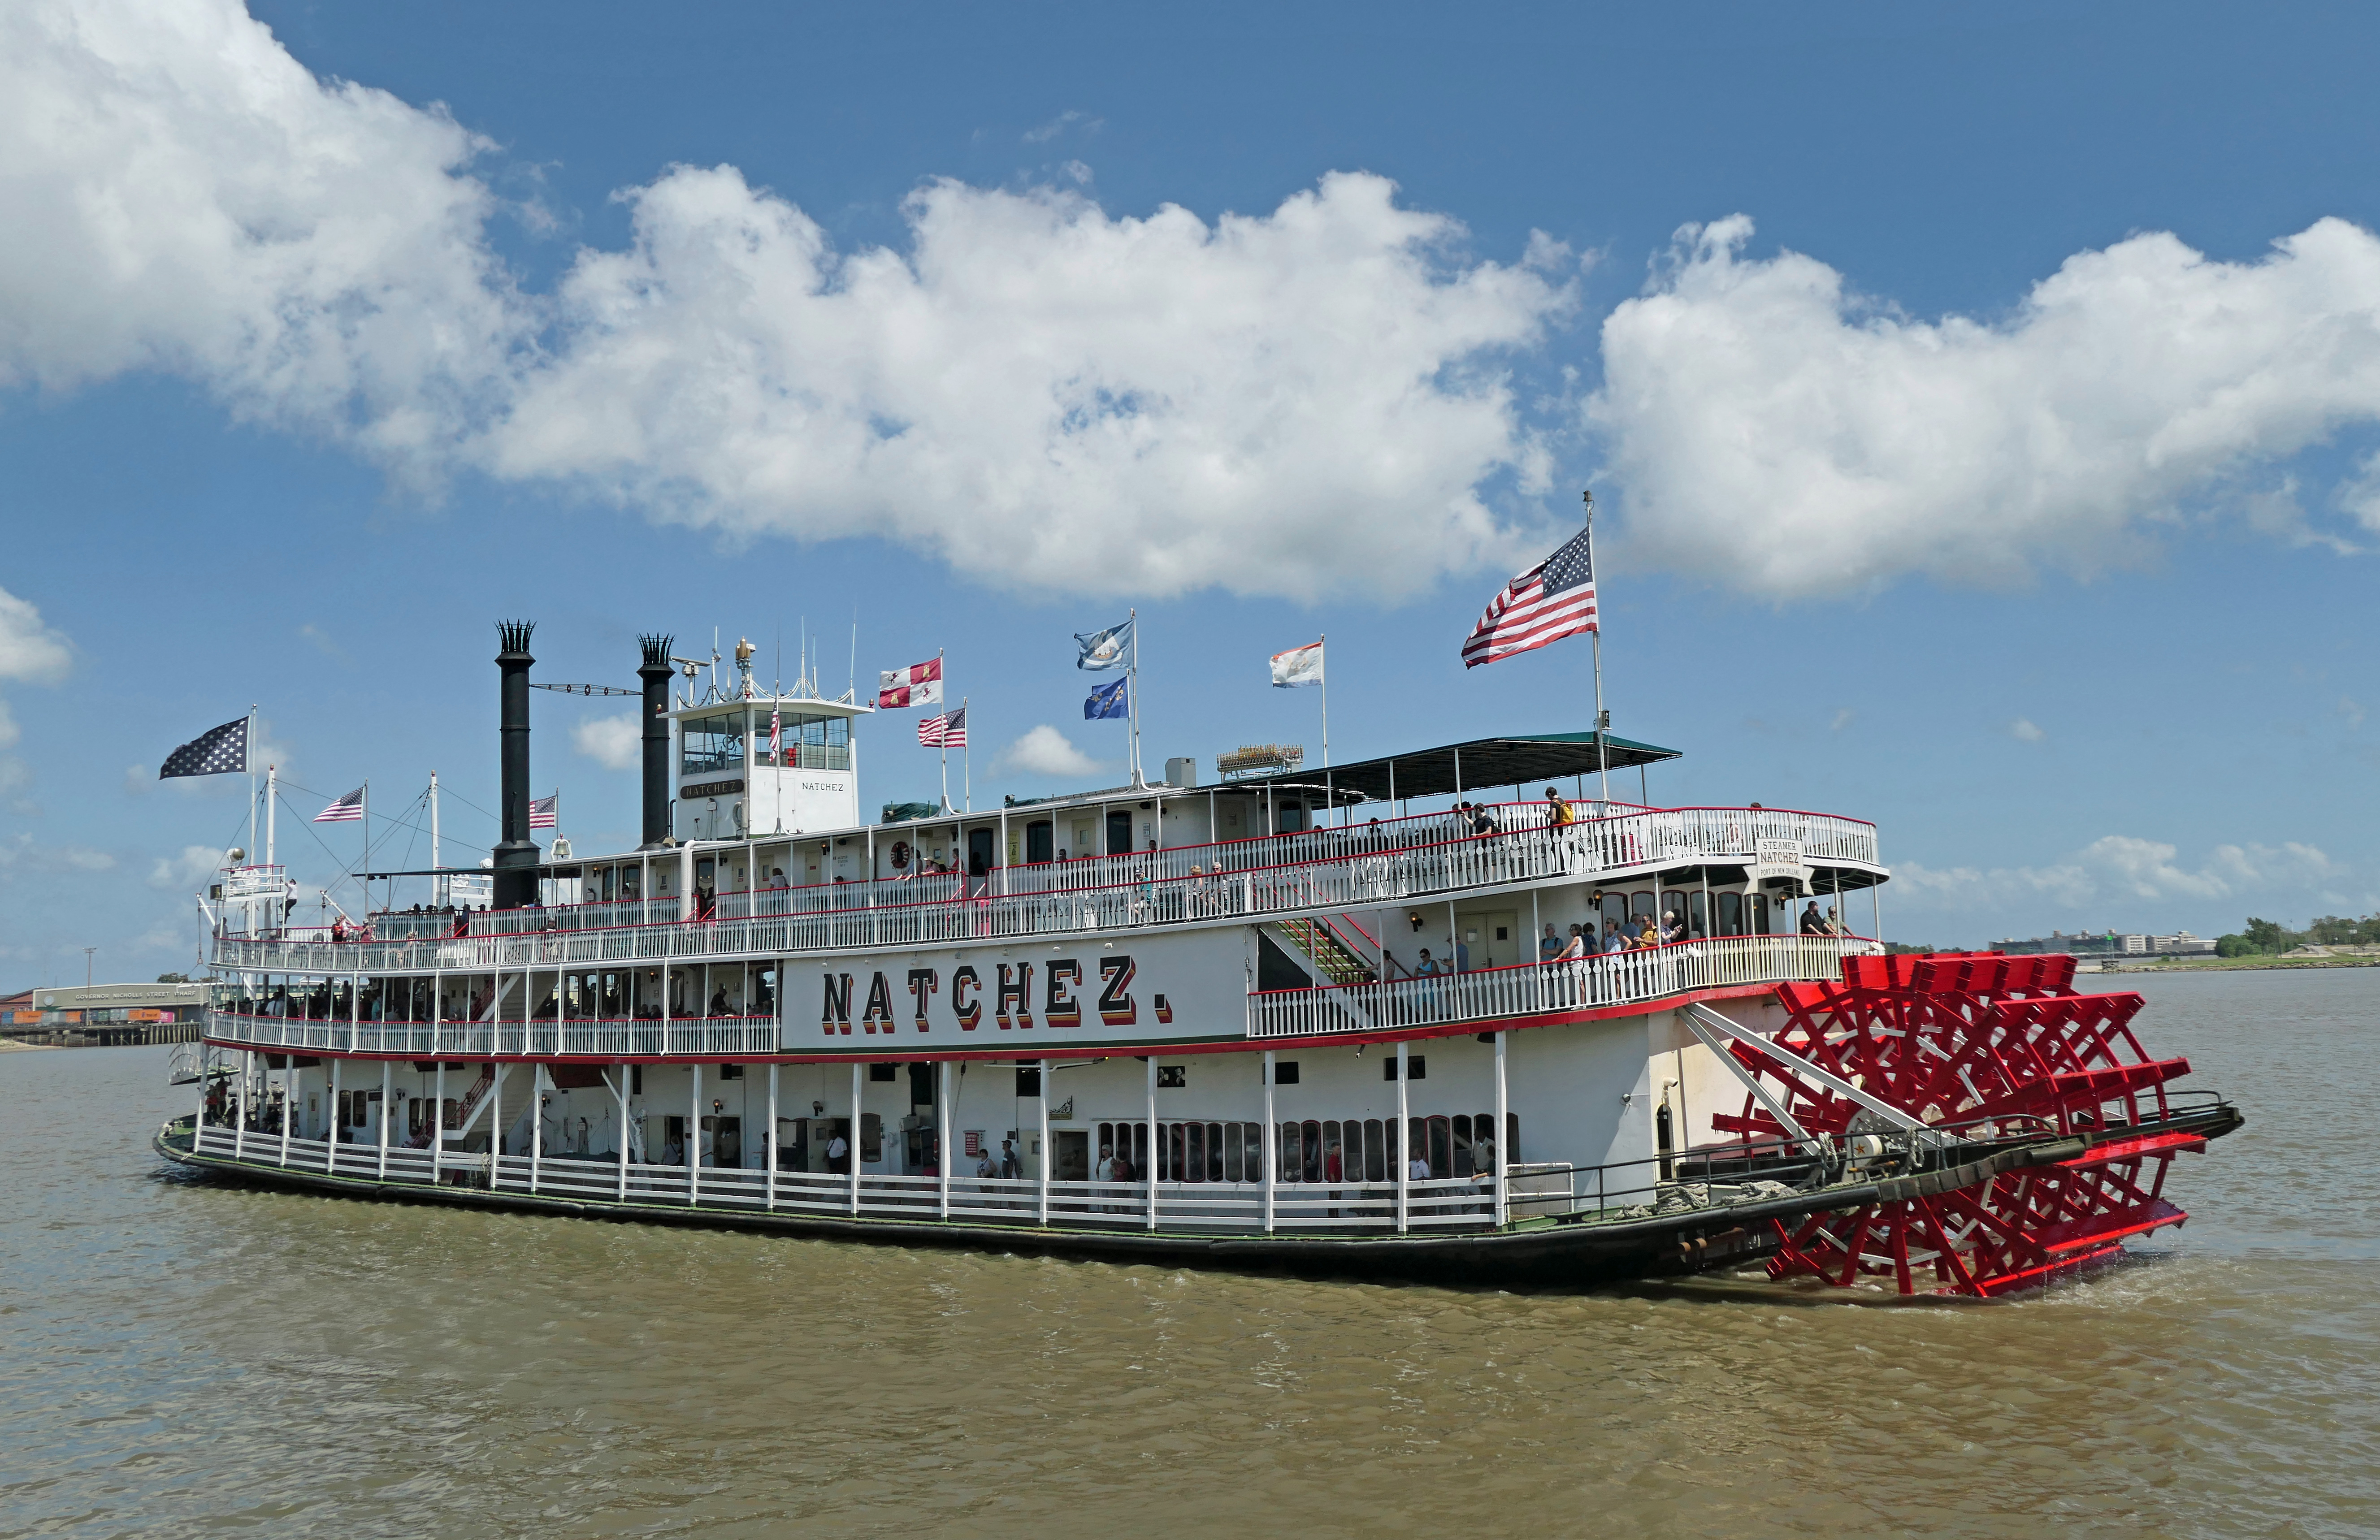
<point x="621" y="1095"/>
<point x="240" y="1109"/>
<point x="1503" y="1104"/>
<point x="1271" y="1140"/>
<point x="536" y="1123"/>
<point x="943" y="1131"/>
<point x="1153" y="1149"/>
<point x="289" y="1101"/>
<point x="1404" y="1140"/>
<point x="1041" y="1139"/>
<point x="768" y="1199"/>
<point x="694" y="1136"/>
<point x="331" y="1161"/>
<point x="438" y="1124"/>
<point x="851" y="1141"/>
<point x="496" y="1116"/>
<point x="387" y="1086"/>
<point x="666" y="1003"/>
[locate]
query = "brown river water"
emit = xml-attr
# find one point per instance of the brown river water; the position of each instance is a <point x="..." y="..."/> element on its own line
<point x="179" y="1356"/>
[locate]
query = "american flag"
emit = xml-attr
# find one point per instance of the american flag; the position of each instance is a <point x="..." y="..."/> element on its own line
<point x="348" y="809"/>
<point x="947" y="731"/>
<point x="773" y="738"/>
<point x="545" y="812"/>
<point x="1553" y="600"/>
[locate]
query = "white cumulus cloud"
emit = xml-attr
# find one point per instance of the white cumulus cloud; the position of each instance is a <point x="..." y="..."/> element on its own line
<point x="1776" y="431"/>
<point x="1046" y="751"/>
<point x="308" y="250"/>
<point x="193" y="864"/>
<point x="2120" y="867"/>
<point x="2025" y="732"/>
<point x="1043" y="392"/>
<point x="611" y="742"/>
<point x="1047" y="394"/>
<point x="29" y="648"/>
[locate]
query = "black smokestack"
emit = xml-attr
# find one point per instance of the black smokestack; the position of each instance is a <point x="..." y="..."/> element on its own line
<point x="655" y="672"/>
<point x="516" y="856"/>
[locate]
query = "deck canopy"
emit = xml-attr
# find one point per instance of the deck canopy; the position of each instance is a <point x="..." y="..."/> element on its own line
<point x="1480" y="765"/>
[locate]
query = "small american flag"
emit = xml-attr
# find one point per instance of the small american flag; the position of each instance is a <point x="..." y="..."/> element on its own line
<point x="1553" y="600"/>
<point x="774" y="740"/>
<point x="545" y="812"/>
<point x="947" y="731"/>
<point x="348" y="809"/>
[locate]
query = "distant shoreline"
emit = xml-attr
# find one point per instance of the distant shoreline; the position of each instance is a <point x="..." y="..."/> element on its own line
<point x="2235" y="965"/>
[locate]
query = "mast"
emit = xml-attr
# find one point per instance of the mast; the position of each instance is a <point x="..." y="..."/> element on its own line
<point x="1602" y="718"/>
<point x="438" y="878"/>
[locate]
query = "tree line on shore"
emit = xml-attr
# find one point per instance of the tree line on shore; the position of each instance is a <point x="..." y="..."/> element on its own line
<point x="2262" y="937"/>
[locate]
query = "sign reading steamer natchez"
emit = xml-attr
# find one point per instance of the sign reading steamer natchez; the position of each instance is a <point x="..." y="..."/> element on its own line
<point x="1097" y="995"/>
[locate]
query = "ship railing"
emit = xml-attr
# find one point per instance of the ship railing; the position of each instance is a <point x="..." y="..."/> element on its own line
<point x="1363" y="873"/>
<point x="592" y="1037"/>
<point x="1672" y="1182"/>
<point x="1550" y="988"/>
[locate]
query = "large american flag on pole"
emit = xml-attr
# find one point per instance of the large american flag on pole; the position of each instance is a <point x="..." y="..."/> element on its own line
<point x="545" y="812"/>
<point x="348" y="809"/>
<point x="945" y="731"/>
<point x="1553" y="600"/>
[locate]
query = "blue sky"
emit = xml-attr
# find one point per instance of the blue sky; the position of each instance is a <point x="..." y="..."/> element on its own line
<point x="2004" y="474"/>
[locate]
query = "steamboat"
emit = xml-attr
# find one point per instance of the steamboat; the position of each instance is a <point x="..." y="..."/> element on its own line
<point x="1281" y="1021"/>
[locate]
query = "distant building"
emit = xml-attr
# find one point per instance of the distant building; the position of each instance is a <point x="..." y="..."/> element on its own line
<point x="2115" y="943"/>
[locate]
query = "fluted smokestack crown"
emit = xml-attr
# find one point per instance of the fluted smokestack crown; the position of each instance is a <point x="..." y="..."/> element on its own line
<point x="655" y="672"/>
<point x="517" y="855"/>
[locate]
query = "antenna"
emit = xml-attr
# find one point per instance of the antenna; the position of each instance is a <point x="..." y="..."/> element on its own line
<point x="852" y="694"/>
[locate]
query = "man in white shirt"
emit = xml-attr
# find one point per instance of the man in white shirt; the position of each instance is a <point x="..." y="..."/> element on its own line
<point x="838" y="1152"/>
<point x="1417" y="1169"/>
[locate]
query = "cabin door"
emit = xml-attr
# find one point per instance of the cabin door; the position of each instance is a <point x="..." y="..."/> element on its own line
<point x="1120" y="832"/>
<point x="979" y="856"/>
<point x="1071" y="1152"/>
<point x="1492" y="937"/>
<point x="1041" y="843"/>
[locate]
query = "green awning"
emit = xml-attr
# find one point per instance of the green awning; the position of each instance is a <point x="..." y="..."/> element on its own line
<point x="1482" y="764"/>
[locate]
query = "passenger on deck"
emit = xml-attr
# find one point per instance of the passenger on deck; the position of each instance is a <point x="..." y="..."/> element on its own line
<point x="1483" y="821"/>
<point x="1550" y="948"/>
<point x="1576" y="948"/>
<point x="777" y="883"/>
<point x="1559" y="813"/>
<point x="1810" y="923"/>
<point x="719" y="1002"/>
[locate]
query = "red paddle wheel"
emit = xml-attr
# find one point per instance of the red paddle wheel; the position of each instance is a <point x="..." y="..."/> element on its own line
<point x="1991" y="1053"/>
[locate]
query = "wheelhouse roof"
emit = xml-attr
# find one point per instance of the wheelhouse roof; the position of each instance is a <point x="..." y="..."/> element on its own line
<point x="1476" y="765"/>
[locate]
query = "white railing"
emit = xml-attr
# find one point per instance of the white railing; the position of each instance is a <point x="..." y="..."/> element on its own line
<point x="1236" y="1207"/>
<point x="1325" y="869"/>
<point x="1542" y="988"/>
<point x="693" y="1036"/>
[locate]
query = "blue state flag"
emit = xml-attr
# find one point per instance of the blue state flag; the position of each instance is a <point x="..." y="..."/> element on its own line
<point x="1111" y="649"/>
<point x="1108" y="701"/>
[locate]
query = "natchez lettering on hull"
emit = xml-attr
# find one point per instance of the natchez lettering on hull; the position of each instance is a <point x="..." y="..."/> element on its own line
<point x="1091" y="998"/>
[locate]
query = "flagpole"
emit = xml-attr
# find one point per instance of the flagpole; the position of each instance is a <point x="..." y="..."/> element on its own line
<point x="944" y="742"/>
<point x="1602" y="753"/>
<point x="1131" y="693"/>
<point x="1322" y="642"/>
<point x="248" y="763"/>
<point x="966" y="763"/>
<point x="365" y="870"/>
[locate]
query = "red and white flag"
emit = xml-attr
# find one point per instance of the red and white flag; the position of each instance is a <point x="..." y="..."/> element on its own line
<point x="775" y="739"/>
<point x="1553" y="600"/>
<point x="545" y="812"/>
<point x="944" y="730"/>
<point x="919" y="685"/>
<point x="348" y="809"/>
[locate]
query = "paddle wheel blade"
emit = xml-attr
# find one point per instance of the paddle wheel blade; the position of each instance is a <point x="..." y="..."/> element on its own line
<point x="1999" y="1050"/>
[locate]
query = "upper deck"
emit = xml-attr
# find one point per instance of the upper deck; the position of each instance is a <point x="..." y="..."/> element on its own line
<point x="1220" y="882"/>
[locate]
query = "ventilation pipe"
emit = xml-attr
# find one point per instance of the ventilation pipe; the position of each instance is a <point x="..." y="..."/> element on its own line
<point x="655" y="672"/>
<point x="517" y="855"/>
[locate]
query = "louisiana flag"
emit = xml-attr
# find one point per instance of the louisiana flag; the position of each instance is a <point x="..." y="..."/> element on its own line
<point x="919" y="685"/>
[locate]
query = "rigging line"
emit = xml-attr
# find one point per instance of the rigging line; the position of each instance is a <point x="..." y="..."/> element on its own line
<point x="344" y="876"/>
